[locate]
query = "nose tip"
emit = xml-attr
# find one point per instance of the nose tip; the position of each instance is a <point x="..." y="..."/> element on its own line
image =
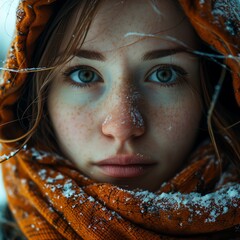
<point x="124" y="125"/>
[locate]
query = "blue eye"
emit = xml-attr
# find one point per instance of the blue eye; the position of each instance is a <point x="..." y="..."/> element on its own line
<point x="167" y="74"/>
<point x="84" y="76"/>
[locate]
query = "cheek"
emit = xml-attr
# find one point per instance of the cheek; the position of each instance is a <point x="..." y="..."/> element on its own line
<point x="178" y="125"/>
<point x="182" y="122"/>
<point x="73" y="125"/>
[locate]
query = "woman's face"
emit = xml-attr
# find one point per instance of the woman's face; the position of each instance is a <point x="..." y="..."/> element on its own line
<point x="125" y="109"/>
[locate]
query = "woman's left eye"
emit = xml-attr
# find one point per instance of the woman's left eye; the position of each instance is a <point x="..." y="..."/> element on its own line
<point x="167" y="75"/>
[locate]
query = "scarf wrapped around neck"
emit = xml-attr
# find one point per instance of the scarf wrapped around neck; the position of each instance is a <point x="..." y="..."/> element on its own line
<point x="51" y="199"/>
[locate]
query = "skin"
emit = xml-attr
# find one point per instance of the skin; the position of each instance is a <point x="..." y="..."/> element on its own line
<point x="127" y="111"/>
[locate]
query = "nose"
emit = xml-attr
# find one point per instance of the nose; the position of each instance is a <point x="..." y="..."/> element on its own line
<point x="124" y="121"/>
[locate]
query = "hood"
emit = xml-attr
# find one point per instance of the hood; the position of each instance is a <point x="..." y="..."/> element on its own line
<point x="216" y="22"/>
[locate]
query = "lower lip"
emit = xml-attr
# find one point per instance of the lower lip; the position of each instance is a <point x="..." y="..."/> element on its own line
<point x="124" y="171"/>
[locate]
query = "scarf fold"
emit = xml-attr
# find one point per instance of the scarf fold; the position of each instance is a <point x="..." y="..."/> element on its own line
<point x="51" y="199"/>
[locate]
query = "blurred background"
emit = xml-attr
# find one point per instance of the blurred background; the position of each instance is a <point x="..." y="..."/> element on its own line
<point x="7" y="23"/>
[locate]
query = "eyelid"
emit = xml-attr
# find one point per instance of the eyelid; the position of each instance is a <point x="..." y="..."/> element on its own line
<point x="72" y="69"/>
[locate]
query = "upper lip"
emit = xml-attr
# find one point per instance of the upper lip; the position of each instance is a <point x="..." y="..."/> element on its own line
<point x="124" y="160"/>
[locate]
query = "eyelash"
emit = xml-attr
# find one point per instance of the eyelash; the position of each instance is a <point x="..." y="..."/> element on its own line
<point x="180" y="72"/>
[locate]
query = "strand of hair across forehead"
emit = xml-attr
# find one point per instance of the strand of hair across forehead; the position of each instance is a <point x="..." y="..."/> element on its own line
<point x="27" y="70"/>
<point x="214" y="57"/>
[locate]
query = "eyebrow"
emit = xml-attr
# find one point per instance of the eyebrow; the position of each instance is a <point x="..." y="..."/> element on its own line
<point x="93" y="55"/>
<point x="159" y="53"/>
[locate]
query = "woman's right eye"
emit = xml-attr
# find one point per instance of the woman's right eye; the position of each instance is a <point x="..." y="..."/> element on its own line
<point x="83" y="76"/>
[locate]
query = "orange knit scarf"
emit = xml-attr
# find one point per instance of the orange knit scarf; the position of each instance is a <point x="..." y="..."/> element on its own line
<point x="50" y="199"/>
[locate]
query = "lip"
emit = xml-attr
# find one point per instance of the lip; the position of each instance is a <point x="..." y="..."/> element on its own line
<point x="125" y="166"/>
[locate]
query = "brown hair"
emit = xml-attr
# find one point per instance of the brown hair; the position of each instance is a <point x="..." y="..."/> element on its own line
<point x="32" y="105"/>
<point x="223" y="112"/>
<point x="221" y="120"/>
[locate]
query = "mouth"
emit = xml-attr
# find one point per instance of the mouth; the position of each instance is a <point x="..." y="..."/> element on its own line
<point x="125" y="166"/>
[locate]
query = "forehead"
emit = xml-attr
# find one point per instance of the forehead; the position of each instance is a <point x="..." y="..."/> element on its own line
<point x="123" y="23"/>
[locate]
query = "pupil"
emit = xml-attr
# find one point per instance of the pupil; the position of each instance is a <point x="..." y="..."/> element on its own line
<point x="164" y="75"/>
<point x="86" y="76"/>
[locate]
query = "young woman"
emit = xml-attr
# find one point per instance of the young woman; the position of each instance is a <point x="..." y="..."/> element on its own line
<point x="120" y="120"/>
